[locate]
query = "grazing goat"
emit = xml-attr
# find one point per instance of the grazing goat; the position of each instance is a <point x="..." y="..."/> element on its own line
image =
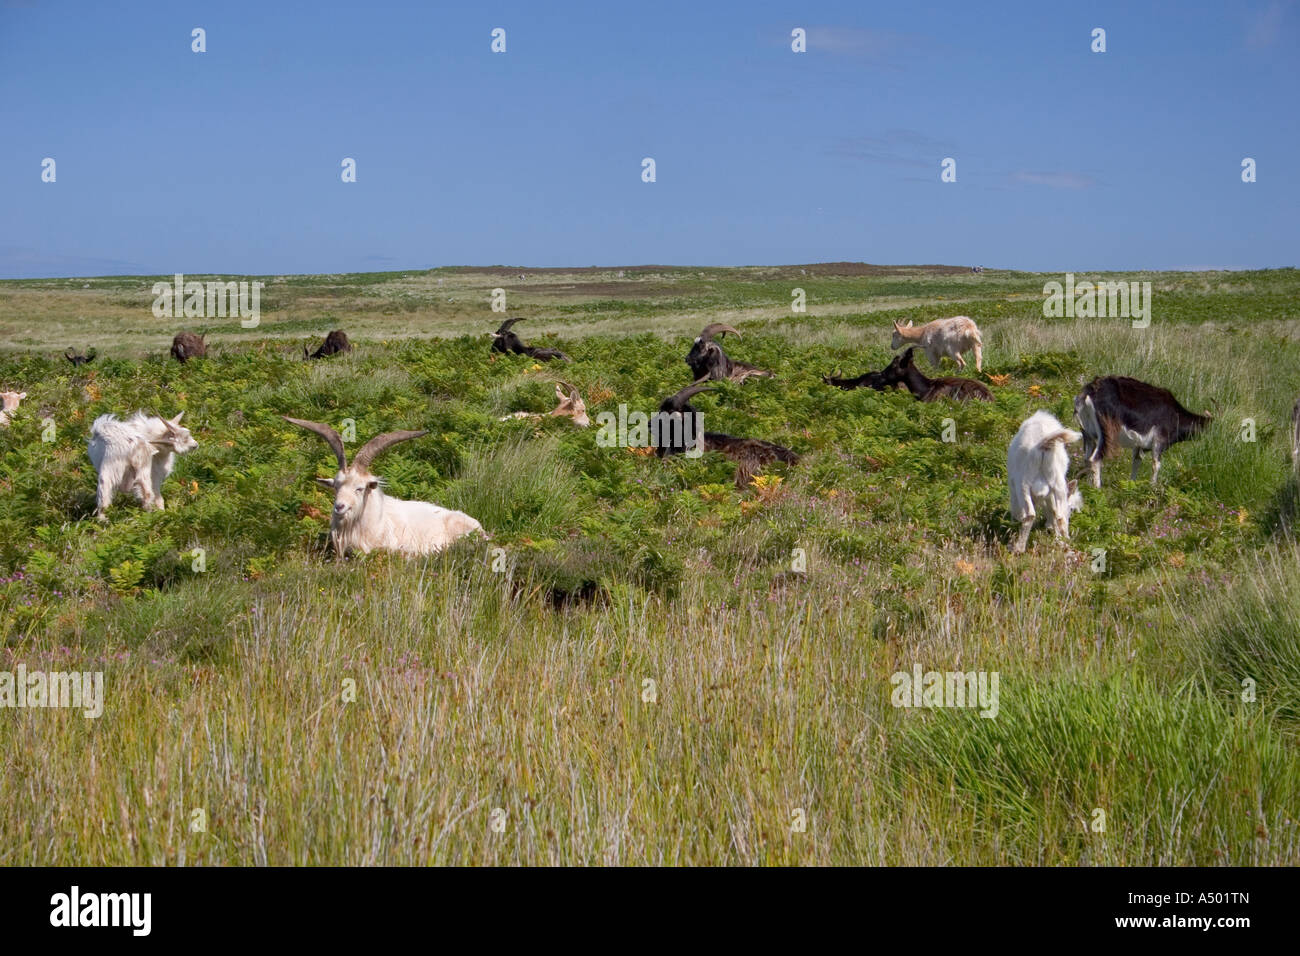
<point x="571" y="406"/>
<point x="365" y="519"/>
<point x="335" y="342"/>
<point x="942" y="337"/>
<point x="77" y="359"/>
<point x="1036" y="465"/>
<point x="903" y="370"/>
<point x="9" y="404"/>
<point x="708" y="362"/>
<point x="187" y="345"/>
<point x="674" y="437"/>
<point x="135" y="455"/>
<point x="504" y="340"/>
<point x="1119" y="412"/>
<point x="881" y="381"/>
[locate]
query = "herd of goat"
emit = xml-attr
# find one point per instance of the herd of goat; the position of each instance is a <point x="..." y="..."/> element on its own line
<point x="135" y="455"/>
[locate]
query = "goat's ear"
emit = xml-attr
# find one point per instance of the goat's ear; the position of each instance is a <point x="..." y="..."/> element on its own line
<point x="1073" y="486"/>
<point x="326" y="483"/>
<point x="22" y="395"/>
<point x="372" y="484"/>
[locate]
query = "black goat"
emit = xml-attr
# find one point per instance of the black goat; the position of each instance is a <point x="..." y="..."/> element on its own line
<point x="335" y="343"/>
<point x="1118" y="412"/>
<point x="187" y="345"/>
<point x="78" y="360"/>
<point x="708" y="362"/>
<point x="887" y="378"/>
<point x="903" y="371"/>
<point x="504" y="340"/>
<point x="674" y="436"/>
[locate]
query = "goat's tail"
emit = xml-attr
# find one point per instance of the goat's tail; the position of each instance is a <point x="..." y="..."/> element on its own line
<point x="1065" y="436"/>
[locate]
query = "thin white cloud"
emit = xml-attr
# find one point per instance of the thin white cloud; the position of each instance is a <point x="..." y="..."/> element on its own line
<point x="1263" y="27"/>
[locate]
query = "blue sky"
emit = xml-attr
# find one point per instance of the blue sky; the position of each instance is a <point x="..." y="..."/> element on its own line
<point x="229" y="161"/>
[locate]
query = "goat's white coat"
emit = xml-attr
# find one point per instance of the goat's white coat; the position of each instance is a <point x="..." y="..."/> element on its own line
<point x="1036" y="465"/>
<point x="9" y="404"/>
<point x="135" y="455"/>
<point x="365" y="519"/>
<point x="942" y="337"/>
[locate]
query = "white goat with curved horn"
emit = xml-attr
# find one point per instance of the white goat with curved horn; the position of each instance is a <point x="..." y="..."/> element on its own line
<point x="365" y="519"/>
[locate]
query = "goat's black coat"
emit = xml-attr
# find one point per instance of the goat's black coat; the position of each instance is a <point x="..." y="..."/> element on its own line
<point x="187" y="345"/>
<point x="335" y="343"/>
<point x="749" y="454"/>
<point x="1122" y="402"/>
<point x="77" y="359"/>
<point x="903" y="370"/>
<point x="708" y="362"/>
<point x="881" y="381"/>
<point x="507" y="342"/>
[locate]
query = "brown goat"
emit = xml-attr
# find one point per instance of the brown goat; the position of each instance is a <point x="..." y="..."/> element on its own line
<point x="335" y="343"/>
<point x="187" y="345"/>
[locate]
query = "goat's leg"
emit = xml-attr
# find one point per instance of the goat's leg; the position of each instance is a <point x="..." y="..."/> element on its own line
<point x="961" y="362"/>
<point x="979" y="358"/>
<point x="1137" y="458"/>
<point x="109" y="478"/>
<point x="1026" y="525"/>
<point x="1155" y="465"/>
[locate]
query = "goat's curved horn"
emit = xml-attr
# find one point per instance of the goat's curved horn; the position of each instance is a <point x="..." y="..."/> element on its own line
<point x="505" y="326"/>
<point x="380" y="443"/>
<point x="718" y="328"/>
<point x="325" y="432"/>
<point x="690" y="391"/>
<point x="571" y="390"/>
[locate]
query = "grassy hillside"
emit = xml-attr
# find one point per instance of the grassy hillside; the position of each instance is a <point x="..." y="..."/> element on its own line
<point x="512" y="684"/>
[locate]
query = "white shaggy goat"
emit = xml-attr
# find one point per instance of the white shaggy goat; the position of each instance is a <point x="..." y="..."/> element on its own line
<point x="942" y="337"/>
<point x="9" y="404"/>
<point x="1036" y="466"/>
<point x="135" y="455"/>
<point x="571" y="406"/>
<point x="365" y="519"/>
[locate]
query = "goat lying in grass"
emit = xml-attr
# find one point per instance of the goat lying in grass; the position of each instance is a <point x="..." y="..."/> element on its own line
<point x="881" y="381"/>
<point x="187" y="345"/>
<point x="708" y="362"/>
<point x="77" y="359"/>
<point x="135" y="455"/>
<point x="571" y="406"/>
<point x="9" y="404"/>
<point x="675" y="435"/>
<point x="1119" y="412"/>
<point x="335" y="343"/>
<point x="1036" y="465"/>
<point x="506" y="341"/>
<point x="903" y="370"/>
<point x="365" y="519"/>
<point x="943" y="337"/>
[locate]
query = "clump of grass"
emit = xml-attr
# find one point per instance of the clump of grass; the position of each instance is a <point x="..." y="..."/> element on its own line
<point x="1203" y="782"/>
<point x="517" y="486"/>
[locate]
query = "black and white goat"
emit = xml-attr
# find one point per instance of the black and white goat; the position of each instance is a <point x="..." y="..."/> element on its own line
<point x="1118" y="412"/>
<point x="335" y="343"/>
<point x="903" y="370"/>
<point x="708" y="362"/>
<point x="504" y="340"/>
<point x="675" y="435"/>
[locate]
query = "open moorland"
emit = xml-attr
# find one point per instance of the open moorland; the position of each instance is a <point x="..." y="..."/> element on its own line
<point x="646" y="663"/>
